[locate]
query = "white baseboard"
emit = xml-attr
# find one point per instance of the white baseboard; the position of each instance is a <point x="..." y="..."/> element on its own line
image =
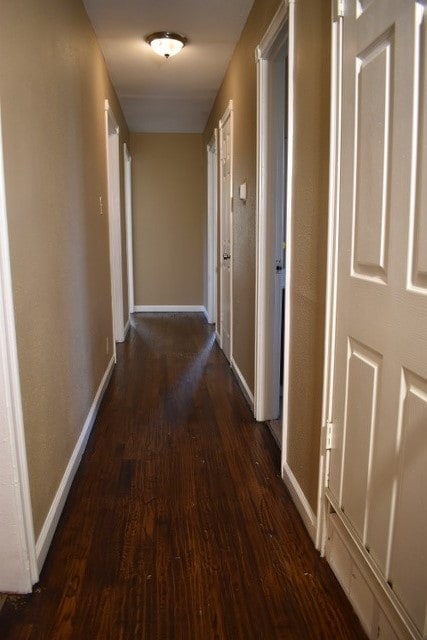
<point x="243" y="384"/>
<point x="127" y="327"/>
<point x="300" y="501"/>
<point x="205" y="313"/>
<point x="166" y="308"/>
<point x="51" y="522"/>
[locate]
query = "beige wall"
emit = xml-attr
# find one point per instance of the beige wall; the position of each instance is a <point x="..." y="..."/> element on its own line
<point x="240" y="86"/>
<point x="310" y="211"/>
<point x="169" y="208"/>
<point x="309" y="218"/>
<point x="53" y="83"/>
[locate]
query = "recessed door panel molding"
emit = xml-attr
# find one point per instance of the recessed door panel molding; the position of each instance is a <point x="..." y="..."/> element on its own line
<point x="361" y="6"/>
<point x="372" y="167"/>
<point x="408" y="549"/>
<point x="361" y="411"/>
<point x="418" y="238"/>
<point x="377" y="397"/>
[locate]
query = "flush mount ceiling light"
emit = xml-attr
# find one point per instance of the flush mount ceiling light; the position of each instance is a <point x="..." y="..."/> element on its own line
<point x="166" y="43"/>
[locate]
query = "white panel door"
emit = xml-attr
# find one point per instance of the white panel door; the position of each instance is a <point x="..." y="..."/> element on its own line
<point x="378" y="466"/>
<point x="226" y="192"/>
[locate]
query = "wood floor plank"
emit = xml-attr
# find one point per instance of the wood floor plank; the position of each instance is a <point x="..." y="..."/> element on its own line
<point x="178" y="525"/>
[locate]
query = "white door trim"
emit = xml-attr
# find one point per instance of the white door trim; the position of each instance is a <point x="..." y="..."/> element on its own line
<point x="212" y="246"/>
<point x="228" y="114"/>
<point x="114" y="222"/>
<point x="129" y="233"/>
<point x="331" y="267"/>
<point x="17" y="543"/>
<point x="263" y="328"/>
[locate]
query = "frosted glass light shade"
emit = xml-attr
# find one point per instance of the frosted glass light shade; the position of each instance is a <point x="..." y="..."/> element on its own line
<point x="166" y="43"/>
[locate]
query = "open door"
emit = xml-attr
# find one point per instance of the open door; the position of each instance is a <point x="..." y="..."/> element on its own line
<point x="272" y="55"/>
<point x="114" y="223"/>
<point x="226" y="233"/>
<point x="129" y="226"/>
<point x="377" y="408"/>
<point x="212" y="163"/>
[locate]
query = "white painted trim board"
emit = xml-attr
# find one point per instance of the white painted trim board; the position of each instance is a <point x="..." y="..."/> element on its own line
<point x="297" y="494"/>
<point x="18" y="555"/>
<point x="169" y="308"/>
<point x="51" y="522"/>
<point x="242" y="383"/>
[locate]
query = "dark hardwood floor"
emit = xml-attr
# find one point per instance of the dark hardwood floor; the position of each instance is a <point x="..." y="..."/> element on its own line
<point x="178" y="525"/>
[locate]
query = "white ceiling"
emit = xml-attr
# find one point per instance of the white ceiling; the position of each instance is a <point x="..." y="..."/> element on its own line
<point x="175" y="95"/>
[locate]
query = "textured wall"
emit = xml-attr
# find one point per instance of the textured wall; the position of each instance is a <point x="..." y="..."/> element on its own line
<point x="240" y="85"/>
<point x="310" y="211"/>
<point x="310" y="187"/>
<point x="169" y="209"/>
<point x="53" y="84"/>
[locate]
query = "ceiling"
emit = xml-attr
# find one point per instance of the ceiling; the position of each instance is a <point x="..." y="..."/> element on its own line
<point x="175" y="95"/>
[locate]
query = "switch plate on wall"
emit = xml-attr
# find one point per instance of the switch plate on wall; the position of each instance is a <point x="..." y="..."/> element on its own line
<point x="242" y="191"/>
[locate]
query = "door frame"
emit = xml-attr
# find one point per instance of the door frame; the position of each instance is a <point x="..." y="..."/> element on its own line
<point x="127" y="163"/>
<point x="228" y="114"/>
<point x="331" y="269"/>
<point x="212" y="231"/>
<point x="112" y="142"/>
<point x="280" y="29"/>
<point x="18" y="556"/>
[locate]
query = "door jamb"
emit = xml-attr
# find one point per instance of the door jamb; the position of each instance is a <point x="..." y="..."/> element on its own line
<point x="127" y="158"/>
<point x="212" y="240"/>
<point x="332" y="269"/>
<point x="13" y="457"/>
<point x="228" y="114"/>
<point x="281" y="22"/>
<point x="114" y="224"/>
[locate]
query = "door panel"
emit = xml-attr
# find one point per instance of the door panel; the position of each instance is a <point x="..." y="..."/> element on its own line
<point x="363" y="377"/>
<point x="372" y="128"/>
<point x="378" y="465"/>
<point x="408" y="572"/>
<point x="226" y="234"/>
<point x="418" y="275"/>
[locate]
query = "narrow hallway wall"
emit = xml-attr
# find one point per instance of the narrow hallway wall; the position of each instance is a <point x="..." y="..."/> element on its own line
<point x="240" y="85"/>
<point x="310" y="187"/>
<point x="53" y="84"/>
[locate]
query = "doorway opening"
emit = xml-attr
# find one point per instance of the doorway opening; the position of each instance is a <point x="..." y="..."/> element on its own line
<point x="226" y="232"/>
<point x="212" y="259"/>
<point x="114" y="223"/>
<point x="129" y="230"/>
<point x="272" y="197"/>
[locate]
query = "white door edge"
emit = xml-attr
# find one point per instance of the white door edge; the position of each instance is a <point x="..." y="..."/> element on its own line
<point x="129" y="234"/>
<point x="262" y="53"/>
<point x="331" y="273"/>
<point x="212" y="247"/>
<point x="289" y="232"/>
<point x="228" y="114"/>
<point x="114" y="222"/>
<point x="19" y="565"/>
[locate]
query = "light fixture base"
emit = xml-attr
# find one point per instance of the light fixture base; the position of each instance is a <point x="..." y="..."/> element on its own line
<point x="166" y="43"/>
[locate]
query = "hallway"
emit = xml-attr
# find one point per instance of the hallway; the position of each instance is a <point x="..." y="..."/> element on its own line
<point x="178" y="525"/>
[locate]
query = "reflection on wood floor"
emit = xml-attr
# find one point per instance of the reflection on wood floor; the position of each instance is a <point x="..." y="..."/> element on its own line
<point x="178" y="525"/>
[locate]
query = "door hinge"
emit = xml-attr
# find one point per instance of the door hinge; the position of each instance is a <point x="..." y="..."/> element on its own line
<point x="339" y="7"/>
<point x="330" y="432"/>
